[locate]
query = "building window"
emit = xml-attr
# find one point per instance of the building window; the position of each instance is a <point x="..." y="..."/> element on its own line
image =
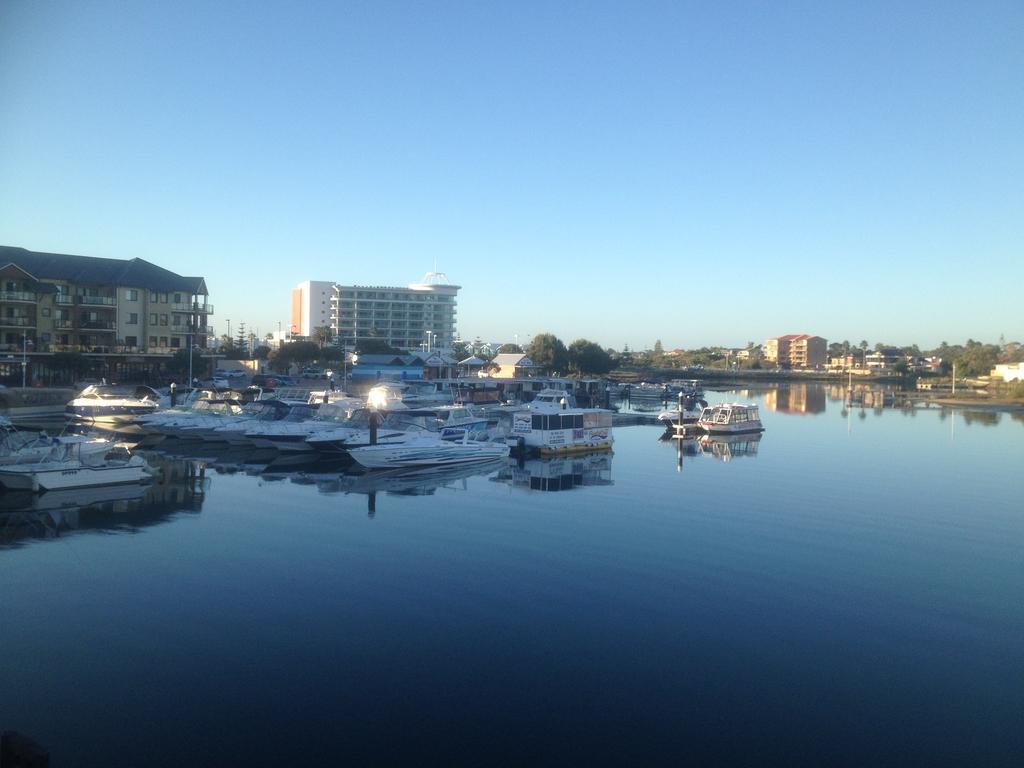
<point x="175" y="342"/>
<point x="131" y="341"/>
<point x="133" y="295"/>
<point x="177" y="298"/>
<point x="133" y="318"/>
<point x="152" y="297"/>
<point x="152" y="341"/>
<point x="163" y="341"/>
<point x="152" y="318"/>
<point x="163" y="298"/>
<point x="176" y="320"/>
<point x="46" y="311"/>
<point x="163" y="319"/>
<point x="45" y="337"/>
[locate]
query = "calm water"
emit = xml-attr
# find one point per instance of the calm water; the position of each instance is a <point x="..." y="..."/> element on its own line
<point x="846" y="591"/>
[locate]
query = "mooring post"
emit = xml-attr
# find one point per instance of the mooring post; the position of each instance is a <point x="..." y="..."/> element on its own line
<point x="373" y="426"/>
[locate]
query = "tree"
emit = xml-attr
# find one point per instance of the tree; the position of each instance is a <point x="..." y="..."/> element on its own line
<point x="322" y="335"/>
<point x="373" y="346"/>
<point x="178" y="365"/>
<point x="460" y="351"/>
<point x="658" y="349"/>
<point x="586" y="357"/>
<point x="513" y="349"/>
<point x="548" y="352"/>
<point x="293" y="353"/>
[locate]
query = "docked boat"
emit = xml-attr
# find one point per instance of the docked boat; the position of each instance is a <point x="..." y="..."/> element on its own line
<point x="552" y="429"/>
<point x="112" y="404"/>
<point x="428" y="451"/>
<point x="730" y="419"/>
<point x="67" y="467"/>
<point x="451" y="422"/>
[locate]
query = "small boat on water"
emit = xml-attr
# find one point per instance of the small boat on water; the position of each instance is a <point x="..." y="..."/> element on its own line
<point x="556" y="427"/>
<point x="112" y="404"/>
<point x="730" y="419"/>
<point x="427" y="451"/>
<point x="68" y="467"/>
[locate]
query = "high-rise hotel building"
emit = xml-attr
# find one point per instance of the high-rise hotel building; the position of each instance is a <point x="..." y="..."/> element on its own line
<point x="407" y="318"/>
<point x="311" y="306"/>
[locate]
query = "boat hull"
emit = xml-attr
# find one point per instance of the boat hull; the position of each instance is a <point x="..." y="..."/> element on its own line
<point x="42" y="478"/>
<point x="445" y="454"/>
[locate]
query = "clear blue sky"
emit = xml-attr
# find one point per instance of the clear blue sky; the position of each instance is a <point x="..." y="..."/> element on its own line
<point x="699" y="173"/>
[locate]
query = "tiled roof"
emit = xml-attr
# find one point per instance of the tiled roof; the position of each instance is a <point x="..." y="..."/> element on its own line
<point x="92" y="270"/>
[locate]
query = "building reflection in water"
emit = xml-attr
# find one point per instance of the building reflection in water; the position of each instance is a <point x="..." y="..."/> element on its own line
<point x="796" y="398"/>
<point x="179" y="486"/>
<point x="561" y="473"/>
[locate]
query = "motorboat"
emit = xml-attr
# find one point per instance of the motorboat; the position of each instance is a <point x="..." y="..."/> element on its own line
<point x="290" y="433"/>
<point x="428" y="450"/>
<point x="730" y="419"/>
<point x="112" y="404"/>
<point x="67" y="467"/>
<point x="232" y="429"/>
<point x="355" y="431"/>
<point x="24" y="449"/>
<point x="558" y="429"/>
<point x="451" y="422"/>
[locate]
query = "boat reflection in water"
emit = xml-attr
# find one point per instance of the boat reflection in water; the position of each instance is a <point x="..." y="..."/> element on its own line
<point x="179" y="486"/>
<point x="721" y="447"/>
<point x="562" y="473"/>
<point x="395" y="482"/>
<point x="729" y="447"/>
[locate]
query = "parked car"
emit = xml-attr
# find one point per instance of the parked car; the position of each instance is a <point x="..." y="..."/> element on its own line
<point x="312" y="373"/>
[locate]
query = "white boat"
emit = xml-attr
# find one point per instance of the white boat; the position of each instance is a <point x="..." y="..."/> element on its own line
<point x="67" y="467"/>
<point x="111" y="404"/>
<point x="290" y="433"/>
<point x="670" y="417"/>
<point x="41" y="446"/>
<point x="450" y="422"/>
<point x="427" y="451"/>
<point x="730" y="419"/>
<point x="556" y="429"/>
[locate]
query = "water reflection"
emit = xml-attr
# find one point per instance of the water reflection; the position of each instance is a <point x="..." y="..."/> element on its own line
<point x="796" y="398"/>
<point x="179" y="486"/>
<point x="720" y="447"/>
<point x="562" y="473"/>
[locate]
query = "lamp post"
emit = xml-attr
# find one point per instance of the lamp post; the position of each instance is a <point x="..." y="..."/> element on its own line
<point x="24" y="357"/>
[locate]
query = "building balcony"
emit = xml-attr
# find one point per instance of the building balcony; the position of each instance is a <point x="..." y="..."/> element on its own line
<point x="18" y="296"/>
<point x="64" y="299"/>
<point x="98" y="325"/>
<point x="64" y="324"/>
<point x="17" y="322"/>
<point x="193" y="308"/>
<point x="97" y="301"/>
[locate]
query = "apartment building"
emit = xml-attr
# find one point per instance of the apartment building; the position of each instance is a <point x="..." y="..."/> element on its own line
<point x="311" y="306"/>
<point x="419" y="316"/>
<point x="129" y="309"/>
<point x="796" y="351"/>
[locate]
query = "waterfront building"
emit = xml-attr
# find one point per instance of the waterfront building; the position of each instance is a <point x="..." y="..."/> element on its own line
<point x="798" y="350"/>
<point x="126" y="316"/>
<point x="311" y="306"/>
<point x="419" y="316"/>
<point x="511" y="365"/>
<point x="1008" y="372"/>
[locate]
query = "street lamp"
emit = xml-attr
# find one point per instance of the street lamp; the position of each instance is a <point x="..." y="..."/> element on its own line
<point x="24" y="357"/>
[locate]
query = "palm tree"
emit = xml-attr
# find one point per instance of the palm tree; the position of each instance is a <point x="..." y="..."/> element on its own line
<point x="322" y="335"/>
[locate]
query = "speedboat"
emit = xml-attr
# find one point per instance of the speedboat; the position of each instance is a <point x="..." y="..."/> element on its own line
<point x="290" y="433"/>
<point x="423" y="451"/>
<point x="67" y="467"/>
<point x="451" y="422"/>
<point x="730" y="419"/>
<point x="112" y="404"/>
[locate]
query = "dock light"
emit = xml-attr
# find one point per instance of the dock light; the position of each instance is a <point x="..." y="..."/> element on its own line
<point x="377" y="398"/>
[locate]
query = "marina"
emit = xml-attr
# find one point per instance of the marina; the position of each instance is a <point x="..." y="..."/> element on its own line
<point x="754" y="581"/>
